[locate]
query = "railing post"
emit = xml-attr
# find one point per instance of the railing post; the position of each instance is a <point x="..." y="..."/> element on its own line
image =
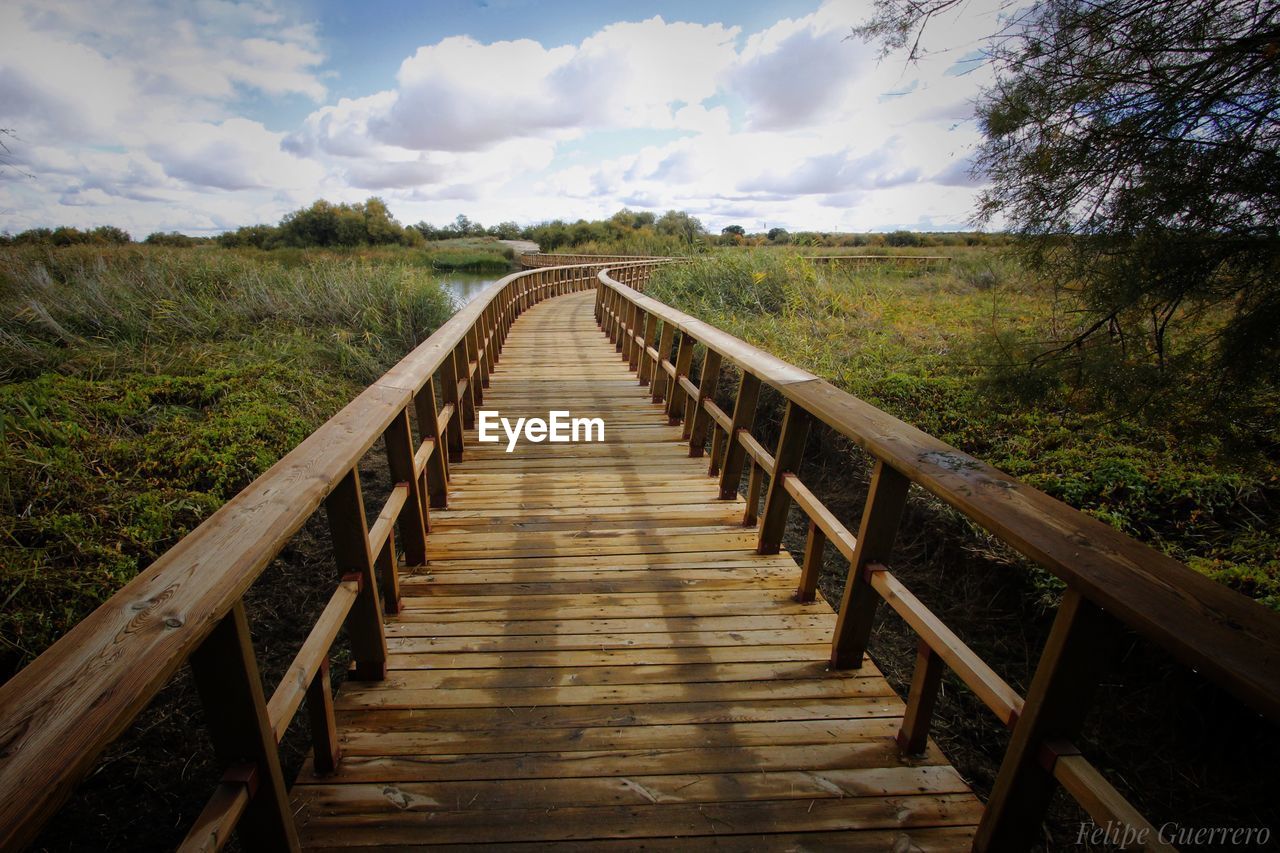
<point x="460" y="356"/>
<point x="658" y="386"/>
<point x="324" y="728"/>
<point x="645" y="373"/>
<point x="886" y="499"/>
<point x="795" y="429"/>
<point x="429" y="429"/>
<point x="449" y="388"/>
<point x="749" y="515"/>
<point x="480" y="379"/>
<point x="350" y="532"/>
<point x="675" y="392"/>
<point x="696" y="427"/>
<point x="398" y="439"/>
<point x="637" y="347"/>
<point x="806" y="591"/>
<point x="744" y="416"/>
<point x="913" y="736"/>
<point x="1059" y="698"/>
<point x="717" y="451"/>
<point x="226" y="677"/>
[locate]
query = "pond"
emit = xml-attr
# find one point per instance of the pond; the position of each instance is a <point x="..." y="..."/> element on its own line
<point x="465" y="286"/>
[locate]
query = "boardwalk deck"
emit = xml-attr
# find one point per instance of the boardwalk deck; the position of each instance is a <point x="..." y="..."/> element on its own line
<point x="595" y="656"/>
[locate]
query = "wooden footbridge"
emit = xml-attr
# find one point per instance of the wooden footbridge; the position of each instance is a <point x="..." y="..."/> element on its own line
<point x="602" y="645"/>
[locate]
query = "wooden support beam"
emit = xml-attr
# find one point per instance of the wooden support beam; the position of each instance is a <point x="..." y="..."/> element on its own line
<point x="717" y="450"/>
<point x="744" y="417"/>
<point x="676" y="393"/>
<point x="437" y="467"/>
<point x="452" y="402"/>
<point x="812" y="566"/>
<point x="795" y="429"/>
<point x="647" y="370"/>
<point x="696" y="427"/>
<point x="217" y="821"/>
<point x="324" y="729"/>
<point x="1061" y="690"/>
<point x="913" y="736"/>
<point x="345" y="508"/>
<point x="412" y="517"/>
<point x="226" y="677"/>
<point x="466" y="387"/>
<point x="750" y="514"/>
<point x="660" y="383"/>
<point x="886" y="499"/>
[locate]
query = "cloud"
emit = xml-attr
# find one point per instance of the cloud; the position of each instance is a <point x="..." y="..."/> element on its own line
<point x="138" y="112"/>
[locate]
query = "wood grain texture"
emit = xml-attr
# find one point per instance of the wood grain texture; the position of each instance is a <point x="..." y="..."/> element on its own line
<point x="596" y="653"/>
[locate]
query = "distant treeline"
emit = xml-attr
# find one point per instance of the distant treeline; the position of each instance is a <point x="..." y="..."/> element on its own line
<point x="369" y="223"/>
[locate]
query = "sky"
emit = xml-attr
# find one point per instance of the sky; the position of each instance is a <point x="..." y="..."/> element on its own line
<point x="207" y="115"/>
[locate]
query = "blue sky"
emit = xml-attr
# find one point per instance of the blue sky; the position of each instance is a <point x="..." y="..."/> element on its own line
<point x="212" y="114"/>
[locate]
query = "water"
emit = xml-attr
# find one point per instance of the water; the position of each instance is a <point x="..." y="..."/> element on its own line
<point x="465" y="286"/>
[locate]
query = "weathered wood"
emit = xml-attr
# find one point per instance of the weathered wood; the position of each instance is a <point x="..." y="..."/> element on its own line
<point x="697" y="425"/>
<point x="795" y="429"/>
<point x="659" y="384"/>
<point x="1230" y="638"/>
<point x="1059" y="697"/>
<point x="830" y="526"/>
<point x="676" y="393"/>
<point x="812" y="564"/>
<point x="411" y="518"/>
<point x="324" y="731"/>
<point x="886" y="499"/>
<point x="749" y="515"/>
<point x="345" y="509"/>
<point x="301" y="673"/>
<point x="226" y="676"/>
<point x="217" y="821"/>
<point x="744" y="416"/>
<point x="913" y="737"/>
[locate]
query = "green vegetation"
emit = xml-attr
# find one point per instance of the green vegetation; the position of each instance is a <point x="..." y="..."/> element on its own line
<point x="143" y="387"/>
<point x="1192" y="473"/>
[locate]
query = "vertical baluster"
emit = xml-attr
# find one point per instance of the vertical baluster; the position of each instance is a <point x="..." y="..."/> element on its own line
<point x="886" y="499"/>
<point x="398" y="438"/>
<point x="226" y="676"/>
<point x="675" y="391"/>
<point x="718" y="442"/>
<point x="913" y="736"/>
<point x="1061" y="690"/>
<point x="646" y="370"/>
<point x="637" y="347"/>
<point x="659" y="384"/>
<point x="481" y="379"/>
<point x="696" y="427"/>
<point x="817" y="540"/>
<point x="744" y="416"/>
<point x="321" y="721"/>
<point x="350" y="532"/>
<point x="429" y="430"/>
<point x="795" y="429"/>
<point x="467" y="392"/>
<point x="753" y="496"/>
<point x="449" y="388"/>
<point x="388" y="571"/>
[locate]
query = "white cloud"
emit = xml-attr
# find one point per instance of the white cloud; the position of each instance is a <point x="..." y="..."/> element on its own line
<point x="131" y="112"/>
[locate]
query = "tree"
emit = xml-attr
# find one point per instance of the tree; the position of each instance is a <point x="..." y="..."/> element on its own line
<point x="779" y="235"/>
<point x="677" y="223"/>
<point x="1134" y="147"/>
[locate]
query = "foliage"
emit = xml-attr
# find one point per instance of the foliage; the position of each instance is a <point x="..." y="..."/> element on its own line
<point x="142" y="387"/>
<point x="934" y="349"/>
<point x="1134" y="145"/>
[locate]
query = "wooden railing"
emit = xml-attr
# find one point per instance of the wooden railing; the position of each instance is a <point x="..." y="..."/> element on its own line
<point x="535" y="260"/>
<point x="1110" y="578"/>
<point x="61" y="711"/>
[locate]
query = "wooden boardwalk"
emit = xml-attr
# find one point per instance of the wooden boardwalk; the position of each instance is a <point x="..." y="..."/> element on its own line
<point x="596" y="657"/>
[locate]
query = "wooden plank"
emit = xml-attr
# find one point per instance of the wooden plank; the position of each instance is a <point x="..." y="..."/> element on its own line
<point x="226" y="677"/>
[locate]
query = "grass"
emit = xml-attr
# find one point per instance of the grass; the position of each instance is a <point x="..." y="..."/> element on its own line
<point x="143" y="387"/>
<point x="933" y="348"/>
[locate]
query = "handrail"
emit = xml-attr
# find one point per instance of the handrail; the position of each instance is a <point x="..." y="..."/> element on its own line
<point x="59" y="713"/>
<point x="1234" y="640"/>
<point x="1109" y="576"/>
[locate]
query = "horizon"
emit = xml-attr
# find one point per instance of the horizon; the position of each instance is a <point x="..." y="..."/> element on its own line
<point x="230" y="114"/>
